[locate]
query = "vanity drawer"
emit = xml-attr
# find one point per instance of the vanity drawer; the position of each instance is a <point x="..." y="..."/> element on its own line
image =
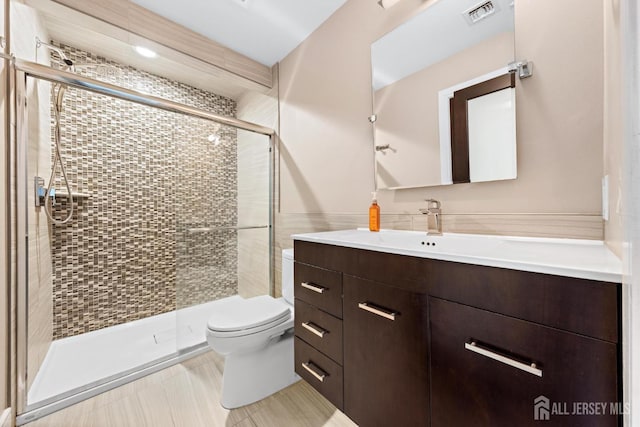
<point x="319" y="287"/>
<point x="322" y="373"/>
<point x="482" y="362"/>
<point x="319" y="329"/>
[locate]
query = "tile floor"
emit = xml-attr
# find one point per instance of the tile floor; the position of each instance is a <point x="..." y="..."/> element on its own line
<point x="187" y="395"/>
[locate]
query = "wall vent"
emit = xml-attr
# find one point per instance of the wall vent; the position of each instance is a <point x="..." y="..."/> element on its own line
<point x="479" y="12"/>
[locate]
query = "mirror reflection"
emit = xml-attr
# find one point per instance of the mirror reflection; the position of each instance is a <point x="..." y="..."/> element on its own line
<point x="453" y="54"/>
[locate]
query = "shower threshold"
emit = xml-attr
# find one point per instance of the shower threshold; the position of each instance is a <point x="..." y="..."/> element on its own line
<point x="75" y="368"/>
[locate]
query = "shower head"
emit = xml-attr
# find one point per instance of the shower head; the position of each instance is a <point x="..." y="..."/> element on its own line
<point x="56" y="49"/>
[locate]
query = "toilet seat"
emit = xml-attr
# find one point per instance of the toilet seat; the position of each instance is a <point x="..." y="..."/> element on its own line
<point x="236" y="316"/>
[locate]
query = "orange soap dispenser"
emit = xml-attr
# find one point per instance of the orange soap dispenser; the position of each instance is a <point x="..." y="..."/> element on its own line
<point x="374" y="214"/>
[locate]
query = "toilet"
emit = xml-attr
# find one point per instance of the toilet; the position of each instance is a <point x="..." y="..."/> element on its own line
<point x="255" y="335"/>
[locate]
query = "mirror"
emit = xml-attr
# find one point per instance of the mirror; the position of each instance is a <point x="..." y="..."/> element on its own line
<point x="446" y="56"/>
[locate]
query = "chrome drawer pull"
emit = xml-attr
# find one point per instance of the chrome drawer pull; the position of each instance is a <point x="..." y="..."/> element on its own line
<point x="377" y="310"/>
<point x="530" y="368"/>
<point x="312" y="369"/>
<point x="312" y="287"/>
<point x="314" y="329"/>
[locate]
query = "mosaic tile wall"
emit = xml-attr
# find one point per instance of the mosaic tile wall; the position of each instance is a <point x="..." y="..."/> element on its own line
<point x="156" y="188"/>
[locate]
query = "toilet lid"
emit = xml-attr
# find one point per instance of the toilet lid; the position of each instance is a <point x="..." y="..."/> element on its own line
<point x="236" y="313"/>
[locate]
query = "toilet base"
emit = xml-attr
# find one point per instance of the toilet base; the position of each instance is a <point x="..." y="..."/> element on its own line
<point x="252" y="376"/>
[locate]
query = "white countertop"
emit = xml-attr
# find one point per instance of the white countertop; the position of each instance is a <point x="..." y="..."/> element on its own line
<point x="586" y="259"/>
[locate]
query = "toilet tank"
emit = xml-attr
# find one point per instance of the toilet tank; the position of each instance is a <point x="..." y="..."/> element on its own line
<point x="287" y="275"/>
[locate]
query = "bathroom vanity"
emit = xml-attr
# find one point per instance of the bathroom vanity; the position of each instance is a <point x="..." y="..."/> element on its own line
<point x="397" y="328"/>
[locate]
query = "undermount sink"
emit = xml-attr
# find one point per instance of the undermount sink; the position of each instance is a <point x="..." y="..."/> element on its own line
<point x="415" y="240"/>
<point x="589" y="259"/>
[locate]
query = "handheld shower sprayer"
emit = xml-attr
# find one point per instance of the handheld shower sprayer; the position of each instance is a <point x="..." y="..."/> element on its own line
<point x="59" y="91"/>
<point x="56" y="49"/>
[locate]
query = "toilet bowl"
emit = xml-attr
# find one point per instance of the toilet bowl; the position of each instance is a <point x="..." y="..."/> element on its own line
<point x="256" y="337"/>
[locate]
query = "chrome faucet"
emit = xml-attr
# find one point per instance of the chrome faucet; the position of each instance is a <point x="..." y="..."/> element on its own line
<point x="434" y="227"/>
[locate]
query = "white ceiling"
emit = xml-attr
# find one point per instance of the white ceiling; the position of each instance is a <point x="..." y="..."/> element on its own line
<point x="438" y="32"/>
<point x="73" y="28"/>
<point x="264" y="30"/>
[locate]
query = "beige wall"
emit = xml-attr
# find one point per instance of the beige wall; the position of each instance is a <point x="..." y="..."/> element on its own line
<point x="25" y="26"/>
<point x="613" y="123"/>
<point x="327" y="160"/>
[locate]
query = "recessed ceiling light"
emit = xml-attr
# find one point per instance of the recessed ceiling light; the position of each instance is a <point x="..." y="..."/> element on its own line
<point x="146" y="52"/>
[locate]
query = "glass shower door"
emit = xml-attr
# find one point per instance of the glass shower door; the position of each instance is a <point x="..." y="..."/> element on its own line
<point x="100" y="286"/>
<point x="170" y="213"/>
<point x="223" y="221"/>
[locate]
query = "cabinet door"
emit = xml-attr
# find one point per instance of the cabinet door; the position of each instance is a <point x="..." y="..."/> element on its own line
<point x="482" y="373"/>
<point x="385" y="355"/>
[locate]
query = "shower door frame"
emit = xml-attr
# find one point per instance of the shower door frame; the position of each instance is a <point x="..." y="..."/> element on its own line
<point x="22" y="70"/>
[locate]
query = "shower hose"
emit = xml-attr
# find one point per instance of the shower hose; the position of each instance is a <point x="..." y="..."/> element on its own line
<point x="57" y="158"/>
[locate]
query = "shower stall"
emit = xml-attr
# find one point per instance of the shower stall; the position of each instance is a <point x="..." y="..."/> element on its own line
<point x="169" y="199"/>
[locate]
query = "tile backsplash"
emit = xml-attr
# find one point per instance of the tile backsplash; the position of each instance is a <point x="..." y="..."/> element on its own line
<point x="156" y="193"/>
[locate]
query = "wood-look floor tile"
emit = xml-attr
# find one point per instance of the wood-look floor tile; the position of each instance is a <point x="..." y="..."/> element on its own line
<point x="299" y="405"/>
<point x="155" y="407"/>
<point x="206" y="381"/>
<point x="277" y="413"/>
<point x="247" y="422"/>
<point x="124" y="412"/>
<point x="188" y="409"/>
<point x="188" y="395"/>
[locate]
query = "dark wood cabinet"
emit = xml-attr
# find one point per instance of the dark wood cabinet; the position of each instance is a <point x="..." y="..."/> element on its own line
<point x="479" y="375"/>
<point x="420" y="342"/>
<point x="324" y="374"/>
<point x="385" y="355"/>
<point x="318" y="329"/>
<point x="319" y="286"/>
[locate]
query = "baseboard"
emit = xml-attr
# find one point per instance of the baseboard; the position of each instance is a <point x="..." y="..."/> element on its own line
<point x="5" y="418"/>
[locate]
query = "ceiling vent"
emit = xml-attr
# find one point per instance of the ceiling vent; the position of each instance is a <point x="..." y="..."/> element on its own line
<point x="479" y="12"/>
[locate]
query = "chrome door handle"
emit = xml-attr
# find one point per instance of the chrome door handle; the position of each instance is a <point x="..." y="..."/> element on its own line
<point x="318" y="373"/>
<point x="314" y="329"/>
<point x="371" y="308"/>
<point x="313" y="287"/>
<point x="531" y="368"/>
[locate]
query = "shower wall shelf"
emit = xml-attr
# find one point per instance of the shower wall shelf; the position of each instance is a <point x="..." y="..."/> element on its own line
<point x="65" y="195"/>
<point x="211" y="229"/>
<point x="40" y="191"/>
<point x="62" y="195"/>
